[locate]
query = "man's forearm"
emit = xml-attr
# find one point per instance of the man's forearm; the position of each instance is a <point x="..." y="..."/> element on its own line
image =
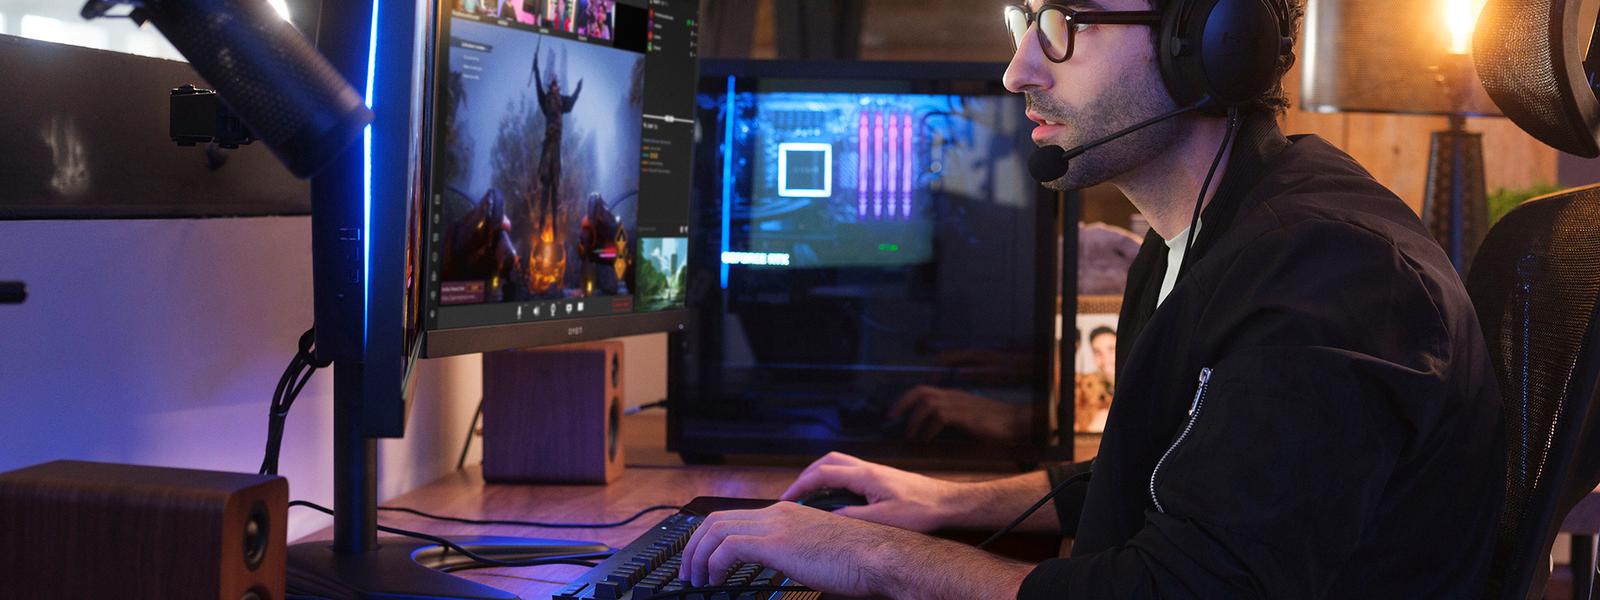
<point x="933" y="569"/>
<point x="993" y="504"/>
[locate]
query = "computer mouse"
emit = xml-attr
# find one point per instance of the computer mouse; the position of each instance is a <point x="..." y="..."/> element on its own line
<point x="831" y="499"/>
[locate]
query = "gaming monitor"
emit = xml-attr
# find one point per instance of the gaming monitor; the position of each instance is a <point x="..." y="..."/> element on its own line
<point x="558" y="188"/>
<point x="863" y="229"/>
<point x="527" y="161"/>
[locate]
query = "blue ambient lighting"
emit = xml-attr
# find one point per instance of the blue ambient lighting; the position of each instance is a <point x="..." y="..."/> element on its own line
<point x="366" y="185"/>
<point x="727" y="176"/>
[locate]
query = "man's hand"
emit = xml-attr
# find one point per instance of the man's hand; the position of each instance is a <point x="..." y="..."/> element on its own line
<point x="894" y="497"/>
<point x="921" y="503"/>
<point x="931" y="409"/>
<point x="850" y="557"/>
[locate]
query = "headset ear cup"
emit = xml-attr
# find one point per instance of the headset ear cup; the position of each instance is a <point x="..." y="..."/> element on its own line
<point x="1174" y="45"/>
<point x="1225" y="49"/>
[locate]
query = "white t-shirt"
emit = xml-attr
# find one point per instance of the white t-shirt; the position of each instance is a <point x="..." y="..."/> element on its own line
<point x="1175" y="249"/>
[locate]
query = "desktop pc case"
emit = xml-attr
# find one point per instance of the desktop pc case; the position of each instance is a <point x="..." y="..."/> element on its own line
<point x="863" y="229"/>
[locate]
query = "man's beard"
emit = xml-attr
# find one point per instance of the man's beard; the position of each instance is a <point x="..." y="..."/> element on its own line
<point x="1119" y="107"/>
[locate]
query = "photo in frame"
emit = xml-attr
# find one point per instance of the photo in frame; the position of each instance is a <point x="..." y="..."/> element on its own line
<point x="1095" y="362"/>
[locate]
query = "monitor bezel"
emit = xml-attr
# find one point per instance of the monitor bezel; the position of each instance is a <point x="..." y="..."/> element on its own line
<point x="437" y="342"/>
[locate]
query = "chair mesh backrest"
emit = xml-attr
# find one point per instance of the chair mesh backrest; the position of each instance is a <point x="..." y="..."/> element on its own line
<point x="1534" y="283"/>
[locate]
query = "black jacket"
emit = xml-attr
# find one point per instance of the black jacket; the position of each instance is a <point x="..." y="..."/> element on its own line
<point x="1311" y="413"/>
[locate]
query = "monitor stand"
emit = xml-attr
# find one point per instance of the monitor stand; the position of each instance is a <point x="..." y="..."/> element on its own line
<point x="356" y="563"/>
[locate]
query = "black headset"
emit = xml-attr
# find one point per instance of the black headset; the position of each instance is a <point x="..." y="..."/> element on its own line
<point x="1225" y="50"/>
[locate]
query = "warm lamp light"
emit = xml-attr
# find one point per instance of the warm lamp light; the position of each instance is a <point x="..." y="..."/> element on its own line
<point x="1461" y="16"/>
<point x="1410" y="57"/>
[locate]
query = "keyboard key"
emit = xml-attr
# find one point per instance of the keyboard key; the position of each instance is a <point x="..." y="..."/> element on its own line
<point x="607" y="590"/>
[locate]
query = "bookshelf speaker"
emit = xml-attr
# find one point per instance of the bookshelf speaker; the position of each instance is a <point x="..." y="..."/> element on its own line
<point x="73" y="529"/>
<point x="553" y="414"/>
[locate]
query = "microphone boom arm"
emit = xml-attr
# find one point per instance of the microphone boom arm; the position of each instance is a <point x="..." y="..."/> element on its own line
<point x="1076" y="152"/>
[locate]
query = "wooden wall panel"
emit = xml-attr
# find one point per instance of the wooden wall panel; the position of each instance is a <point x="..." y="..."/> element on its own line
<point x="1512" y="158"/>
<point x="1393" y="147"/>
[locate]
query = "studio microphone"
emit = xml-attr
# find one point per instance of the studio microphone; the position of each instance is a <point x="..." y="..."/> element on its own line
<point x="288" y="94"/>
<point x="1049" y="163"/>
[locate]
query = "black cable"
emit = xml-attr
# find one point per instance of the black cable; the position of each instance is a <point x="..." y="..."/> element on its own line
<point x="294" y="379"/>
<point x="471" y="431"/>
<point x="1194" y="219"/>
<point x="545" y="561"/>
<point x="644" y="407"/>
<point x="1032" y="509"/>
<point x="532" y="562"/>
<point x="731" y="589"/>
<point x="626" y="521"/>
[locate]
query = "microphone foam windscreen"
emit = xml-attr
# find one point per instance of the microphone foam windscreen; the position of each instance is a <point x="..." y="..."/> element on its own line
<point x="1048" y="163"/>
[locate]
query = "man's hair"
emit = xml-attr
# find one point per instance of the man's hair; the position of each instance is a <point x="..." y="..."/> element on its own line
<point x="1275" y="101"/>
<point x="1101" y="330"/>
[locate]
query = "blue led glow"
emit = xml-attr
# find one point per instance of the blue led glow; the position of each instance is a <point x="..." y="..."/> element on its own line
<point x="366" y="184"/>
<point x="727" y="176"/>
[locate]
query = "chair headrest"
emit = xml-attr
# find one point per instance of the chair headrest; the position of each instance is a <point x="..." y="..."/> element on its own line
<point x="1530" y="55"/>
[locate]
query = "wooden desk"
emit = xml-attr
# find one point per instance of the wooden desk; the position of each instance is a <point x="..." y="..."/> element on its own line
<point x="464" y="494"/>
<point x="653" y="476"/>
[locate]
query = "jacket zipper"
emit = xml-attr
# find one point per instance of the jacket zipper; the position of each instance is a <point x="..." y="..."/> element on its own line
<point x="1194" y="414"/>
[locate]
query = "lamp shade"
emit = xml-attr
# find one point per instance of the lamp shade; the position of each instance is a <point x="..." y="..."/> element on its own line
<point x="1389" y="56"/>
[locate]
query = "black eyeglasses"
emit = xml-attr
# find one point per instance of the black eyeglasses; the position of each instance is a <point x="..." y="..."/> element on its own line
<point x="1058" y="25"/>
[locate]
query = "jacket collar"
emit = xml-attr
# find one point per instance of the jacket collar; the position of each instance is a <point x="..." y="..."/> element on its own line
<point x="1257" y="143"/>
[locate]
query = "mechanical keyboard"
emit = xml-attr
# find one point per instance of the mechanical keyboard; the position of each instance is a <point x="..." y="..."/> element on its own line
<point x="648" y="566"/>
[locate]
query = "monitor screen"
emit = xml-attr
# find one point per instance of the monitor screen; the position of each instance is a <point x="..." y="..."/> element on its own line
<point x="559" y="184"/>
<point x="866" y="233"/>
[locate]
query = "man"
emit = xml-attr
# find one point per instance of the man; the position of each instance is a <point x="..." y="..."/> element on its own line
<point x="1308" y="412"/>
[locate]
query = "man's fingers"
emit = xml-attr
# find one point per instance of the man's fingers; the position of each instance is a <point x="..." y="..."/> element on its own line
<point x="710" y="535"/>
<point x="704" y="540"/>
<point x="911" y="398"/>
<point x="825" y="476"/>
<point x="925" y="422"/>
<point x="832" y="458"/>
<point x="733" y="549"/>
<point x="855" y="512"/>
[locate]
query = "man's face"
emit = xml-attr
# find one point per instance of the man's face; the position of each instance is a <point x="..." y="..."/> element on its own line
<point x="1110" y="82"/>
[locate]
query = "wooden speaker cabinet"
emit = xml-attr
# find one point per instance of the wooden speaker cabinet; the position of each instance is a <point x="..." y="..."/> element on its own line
<point x="553" y="414"/>
<point x="73" y="529"/>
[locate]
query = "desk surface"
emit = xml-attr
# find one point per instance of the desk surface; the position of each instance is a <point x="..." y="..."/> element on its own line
<point x="653" y="476"/>
<point x="464" y="494"/>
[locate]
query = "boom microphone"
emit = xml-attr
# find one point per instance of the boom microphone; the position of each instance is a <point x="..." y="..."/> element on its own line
<point x="1049" y="163"/>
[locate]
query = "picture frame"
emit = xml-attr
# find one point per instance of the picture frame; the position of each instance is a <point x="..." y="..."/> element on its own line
<point x="1094" y="361"/>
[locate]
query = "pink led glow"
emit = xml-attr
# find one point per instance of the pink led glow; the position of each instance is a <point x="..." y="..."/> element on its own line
<point x="861" y="166"/>
<point x="877" y="164"/>
<point x="907" y="159"/>
<point x="894" y="164"/>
